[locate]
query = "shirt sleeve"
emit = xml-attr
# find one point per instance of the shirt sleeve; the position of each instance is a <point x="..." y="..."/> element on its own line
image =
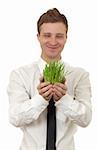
<point x="78" y="108"/>
<point x="23" y="109"/>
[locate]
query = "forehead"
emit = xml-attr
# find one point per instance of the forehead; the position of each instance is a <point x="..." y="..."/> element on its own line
<point x="53" y="28"/>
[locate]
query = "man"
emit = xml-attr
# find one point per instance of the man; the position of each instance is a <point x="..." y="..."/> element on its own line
<point x="29" y="95"/>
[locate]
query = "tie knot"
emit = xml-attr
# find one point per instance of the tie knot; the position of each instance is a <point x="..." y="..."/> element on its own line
<point x="51" y="102"/>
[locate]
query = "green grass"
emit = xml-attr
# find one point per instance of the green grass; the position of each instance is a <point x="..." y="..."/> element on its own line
<point x="54" y="72"/>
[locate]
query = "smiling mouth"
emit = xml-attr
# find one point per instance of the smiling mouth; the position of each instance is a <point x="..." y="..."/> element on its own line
<point x="53" y="47"/>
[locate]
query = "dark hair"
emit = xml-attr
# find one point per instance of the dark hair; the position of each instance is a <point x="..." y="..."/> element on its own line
<point x="52" y="16"/>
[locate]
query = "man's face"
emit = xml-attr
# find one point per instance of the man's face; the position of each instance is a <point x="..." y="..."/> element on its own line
<point x="52" y="39"/>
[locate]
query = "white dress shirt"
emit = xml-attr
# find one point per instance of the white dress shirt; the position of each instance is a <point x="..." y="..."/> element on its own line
<point x="28" y="109"/>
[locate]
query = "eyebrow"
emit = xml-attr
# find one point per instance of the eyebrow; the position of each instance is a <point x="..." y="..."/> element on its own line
<point x="51" y="33"/>
<point x="46" y="33"/>
<point x="59" y="33"/>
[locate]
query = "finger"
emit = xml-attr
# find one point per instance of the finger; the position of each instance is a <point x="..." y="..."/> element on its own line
<point x="47" y="93"/>
<point x="57" y="92"/>
<point x="49" y="97"/>
<point x="42" y="85"/>
<point x="55" y="97"/>
<point x="59" y="89"/>
<point x="63" y="86"/>
<point x="44" y="89"/>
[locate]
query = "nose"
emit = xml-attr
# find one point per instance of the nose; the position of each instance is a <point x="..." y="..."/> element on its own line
<point x="53" y="41"/>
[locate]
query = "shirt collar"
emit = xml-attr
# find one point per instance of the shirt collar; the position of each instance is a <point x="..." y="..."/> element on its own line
<point x="41" y="64"/>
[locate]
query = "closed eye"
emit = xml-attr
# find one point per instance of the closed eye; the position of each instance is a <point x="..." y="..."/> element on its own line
<point x="47" y="35"/>
<point x="59" y="35"/>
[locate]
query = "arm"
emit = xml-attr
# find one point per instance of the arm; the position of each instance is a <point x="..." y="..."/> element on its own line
<point x="23" y="109"/>
<point x="78" y="109"/>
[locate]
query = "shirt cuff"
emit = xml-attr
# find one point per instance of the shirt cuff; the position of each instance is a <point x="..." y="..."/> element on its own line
<point x="38" y="103"/>
<point x="66" y="100"/>
<point x="38" y="100"/>
<point x="63" y="107"/>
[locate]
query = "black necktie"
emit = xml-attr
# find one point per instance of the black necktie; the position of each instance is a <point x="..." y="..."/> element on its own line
<point x="51" y="126"/>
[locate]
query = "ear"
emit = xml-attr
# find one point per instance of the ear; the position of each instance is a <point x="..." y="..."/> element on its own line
<point x="38" y="36"/>
<point x="66" y="38"/>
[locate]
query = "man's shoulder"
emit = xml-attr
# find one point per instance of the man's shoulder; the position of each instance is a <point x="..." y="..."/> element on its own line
<point x="25" y="70"/>
<point x="75" y="70"/>
<point x="27" y="67"/>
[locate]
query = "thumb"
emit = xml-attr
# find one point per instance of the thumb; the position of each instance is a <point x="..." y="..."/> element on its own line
<point x="41" y="79"/>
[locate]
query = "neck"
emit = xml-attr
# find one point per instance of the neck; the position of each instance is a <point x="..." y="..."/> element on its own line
<point x="48" y="60"/>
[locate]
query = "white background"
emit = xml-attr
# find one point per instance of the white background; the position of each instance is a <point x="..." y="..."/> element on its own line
<point x="19" y="46"/>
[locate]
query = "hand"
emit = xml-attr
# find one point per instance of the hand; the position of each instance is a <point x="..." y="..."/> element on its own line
<point x="45" y="89"/>
<point x="59" y="90"/>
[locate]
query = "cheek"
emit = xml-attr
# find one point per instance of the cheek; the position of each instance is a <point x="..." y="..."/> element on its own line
<point x="44" y="42"/>
<point x="62" y="42"/>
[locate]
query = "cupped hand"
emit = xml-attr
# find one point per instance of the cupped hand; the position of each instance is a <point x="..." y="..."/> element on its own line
<point x="59" y="90"/>
<point x="45" y="89"/>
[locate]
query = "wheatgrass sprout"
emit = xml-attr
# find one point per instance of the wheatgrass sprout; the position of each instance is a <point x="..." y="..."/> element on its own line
<point x="54" y="72"/>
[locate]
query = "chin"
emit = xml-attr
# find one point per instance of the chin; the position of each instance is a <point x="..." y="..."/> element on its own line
<point x="53" y="57"/>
